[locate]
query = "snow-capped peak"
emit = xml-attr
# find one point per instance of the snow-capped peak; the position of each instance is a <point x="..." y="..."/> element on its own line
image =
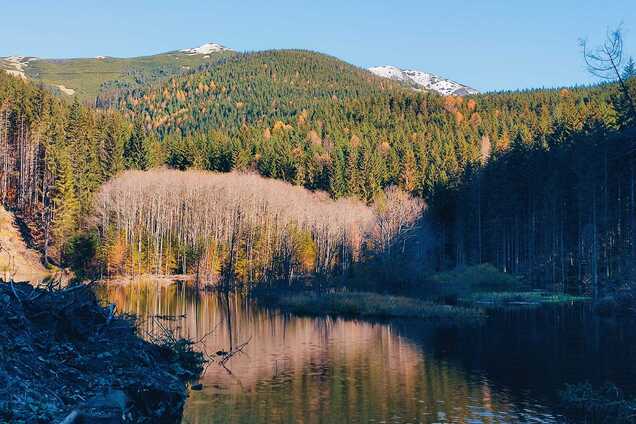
<point x="206" y="48"/>
<point x="423" y="80"/>
<point x="388" y="71"/>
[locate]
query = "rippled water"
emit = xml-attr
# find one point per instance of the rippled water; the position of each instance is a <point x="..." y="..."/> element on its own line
<point x="325" y="370"/>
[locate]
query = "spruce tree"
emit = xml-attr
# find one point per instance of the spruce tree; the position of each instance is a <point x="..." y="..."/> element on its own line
<point x="135" y="153"/>
<point x="66" y="204"/>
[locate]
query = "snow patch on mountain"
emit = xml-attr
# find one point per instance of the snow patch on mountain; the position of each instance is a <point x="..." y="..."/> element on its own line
<point x="206" y="48"/>
<point x="423" y="80"/>
<point x="14" y="65"/>
<point x="390" y="72"/>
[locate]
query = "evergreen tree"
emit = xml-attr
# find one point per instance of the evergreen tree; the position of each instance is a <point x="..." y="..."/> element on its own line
<point x="135" y="152"/>
<point x="65" y="200"/>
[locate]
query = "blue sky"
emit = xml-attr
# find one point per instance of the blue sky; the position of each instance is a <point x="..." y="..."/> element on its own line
<point x="490" y="45"/>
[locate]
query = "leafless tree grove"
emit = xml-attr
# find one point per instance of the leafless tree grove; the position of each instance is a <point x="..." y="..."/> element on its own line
<point x="234" y="227"/>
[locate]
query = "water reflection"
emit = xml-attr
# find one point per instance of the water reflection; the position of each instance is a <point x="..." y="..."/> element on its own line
<point x="534" y="353"/>
<point x="318" y="370"/>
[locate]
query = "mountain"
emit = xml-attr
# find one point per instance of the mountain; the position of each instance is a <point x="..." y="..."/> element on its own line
<point x="251" y="87"/>
<point x="93" y="78"/>
<point x="423" y="80"/>
<point x="103" y="79"/>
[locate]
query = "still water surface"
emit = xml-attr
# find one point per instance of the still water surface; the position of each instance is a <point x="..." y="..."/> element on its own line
<point x="333" y="370"/>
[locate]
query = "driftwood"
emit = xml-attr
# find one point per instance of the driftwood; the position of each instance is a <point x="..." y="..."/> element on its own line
<point x="226" y="356"/>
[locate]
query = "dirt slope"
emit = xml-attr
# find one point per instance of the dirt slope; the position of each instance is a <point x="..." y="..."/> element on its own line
<point x="17" y="261"/>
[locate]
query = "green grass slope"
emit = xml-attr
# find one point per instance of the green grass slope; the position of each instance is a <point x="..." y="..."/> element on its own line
<point x="89" y="78"/>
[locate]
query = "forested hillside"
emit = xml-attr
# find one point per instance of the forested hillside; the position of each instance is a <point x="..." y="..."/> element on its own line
<point x="251" y="88"/>
<point x="317" y="122"/>
<point x="539" y="183"/>
<point x="311" y="120"/>
<point x="536" y="182"/>
<point x="558" y="205"/>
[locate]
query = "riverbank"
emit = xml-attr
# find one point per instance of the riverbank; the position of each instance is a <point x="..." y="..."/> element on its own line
<point x="373" y="305"/>
<point x="63" y="356"/>
<point x="365" y="305"/>
<point x="465" y="294"/>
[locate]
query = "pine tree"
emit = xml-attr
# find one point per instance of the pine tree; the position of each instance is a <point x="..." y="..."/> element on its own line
<point x="66" y="204"/>
<point x="112" y="138"/>
<point x="135" y="152"/>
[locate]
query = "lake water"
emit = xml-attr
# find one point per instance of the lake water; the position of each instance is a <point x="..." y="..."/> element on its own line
<point x="333" y="370"/>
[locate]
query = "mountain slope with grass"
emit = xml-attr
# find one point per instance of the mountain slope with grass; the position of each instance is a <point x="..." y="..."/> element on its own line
<point x="97" y="78"/>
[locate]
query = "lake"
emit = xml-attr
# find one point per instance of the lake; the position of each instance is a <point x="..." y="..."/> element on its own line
<point x="334" y="370"/>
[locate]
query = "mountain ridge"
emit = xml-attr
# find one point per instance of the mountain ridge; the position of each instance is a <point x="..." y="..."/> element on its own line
<point x="96" y="77"/>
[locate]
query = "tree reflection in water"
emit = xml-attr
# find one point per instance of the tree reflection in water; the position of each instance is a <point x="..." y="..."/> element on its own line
<point x="316" y="370"/>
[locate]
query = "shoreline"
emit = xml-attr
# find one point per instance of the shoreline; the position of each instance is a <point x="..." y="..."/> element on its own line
<point x="148" y="278"/>
<point x="371" y="304"/>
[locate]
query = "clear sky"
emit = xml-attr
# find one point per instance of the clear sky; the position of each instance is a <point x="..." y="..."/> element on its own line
<point x="488" y="44"/>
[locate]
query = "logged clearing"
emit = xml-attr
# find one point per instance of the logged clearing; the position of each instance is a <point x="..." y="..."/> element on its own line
<point x="17" y="261"/>
<point x="64" y="355"/>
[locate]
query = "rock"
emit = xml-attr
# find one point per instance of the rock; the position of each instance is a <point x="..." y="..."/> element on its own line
<point x="157" y="399"/>
<point x="108" y="408"/>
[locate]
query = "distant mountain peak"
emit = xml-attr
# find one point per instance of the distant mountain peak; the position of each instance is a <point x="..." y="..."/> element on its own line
<point x="206" y="48"/>
<point x="423" y="80"/>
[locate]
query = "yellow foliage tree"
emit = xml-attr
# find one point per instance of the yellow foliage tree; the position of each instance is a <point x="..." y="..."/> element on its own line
<point x="304" y="251"/>
<point x="116" y="255"/>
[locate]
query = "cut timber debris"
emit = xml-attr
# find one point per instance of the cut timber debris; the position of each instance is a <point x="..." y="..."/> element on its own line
<point x="64" y="358"/>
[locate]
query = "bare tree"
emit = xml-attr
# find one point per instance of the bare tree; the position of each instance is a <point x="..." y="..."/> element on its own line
<point x="606" y="61"/>
<point x="240" y="227"/>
